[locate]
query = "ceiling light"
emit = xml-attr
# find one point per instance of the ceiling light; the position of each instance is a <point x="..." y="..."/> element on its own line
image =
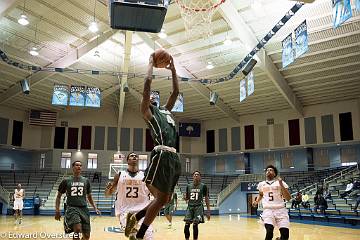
<point x="162" y="34"/>
<point x="292" y="167"/>
<point x="23" y="20"/>
<point x="93" y="27"/>
<point x="210" y="66"/>
<point x="34" y="51"/>
<point x="96" y="53"/>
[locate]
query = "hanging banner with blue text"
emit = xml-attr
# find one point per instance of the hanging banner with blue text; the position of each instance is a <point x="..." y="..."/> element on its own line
<point x="341" y="12"/>
<point x="301" y="40"/>
<point x="250" y="83"/>
<point x="60" y="95"/>
<point x="287" y="51"/>
<point x="242" y="90"/>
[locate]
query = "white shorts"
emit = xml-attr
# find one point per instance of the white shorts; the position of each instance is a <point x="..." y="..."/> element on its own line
<point x="276" y="217"/>
<point x="149" y="231"/>
<point x="18" y="204"/>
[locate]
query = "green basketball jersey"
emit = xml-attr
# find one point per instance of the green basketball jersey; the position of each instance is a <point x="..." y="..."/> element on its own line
<point x="196" y="193"/>
<point x="162" y="127"/>
<point x="76" y="190"/>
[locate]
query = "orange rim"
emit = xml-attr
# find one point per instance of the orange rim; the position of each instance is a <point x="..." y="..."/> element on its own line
<point x="201" y="9"/>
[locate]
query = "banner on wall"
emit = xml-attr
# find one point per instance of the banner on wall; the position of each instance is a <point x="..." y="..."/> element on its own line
<point x="60" y="95"/>
<point x="249" y="186"/>
<point x="93" y="97"/>
<point x="189" y="129"/>
<point x="301" y="40"/>
<point x="341" y="12"/>
<point x="242" y="90"/>
<point x="250" y="83"/>
<point x="179" y="104"/>
<point x="287" y="51"/>
<point x="77" y="96"/>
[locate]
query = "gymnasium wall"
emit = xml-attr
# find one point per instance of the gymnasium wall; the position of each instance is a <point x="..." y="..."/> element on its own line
<point x="229" y="137"/>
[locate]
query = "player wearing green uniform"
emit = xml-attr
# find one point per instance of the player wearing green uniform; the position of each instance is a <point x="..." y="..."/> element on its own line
<point x="170" y="208"/>
<point x="195" y="192"/>
<point x="164" y="169"/>
<point x="77" y="216"/>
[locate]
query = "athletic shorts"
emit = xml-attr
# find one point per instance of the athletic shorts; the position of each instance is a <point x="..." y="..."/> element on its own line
<point x="169" y="209"/>
<point x="195" y="214"/>
<point x="149" y="234"/>
<point x="276" y="217"/>
<point x="75" y="215"/>
<point x="163" y="171"/>
<point x="18" y="205"/>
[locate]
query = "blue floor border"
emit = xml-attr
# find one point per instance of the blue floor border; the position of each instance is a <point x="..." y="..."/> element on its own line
<point x="310" y="222"/>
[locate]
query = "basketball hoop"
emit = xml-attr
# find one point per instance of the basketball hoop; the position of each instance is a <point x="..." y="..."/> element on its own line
<point x="197" y="16"/>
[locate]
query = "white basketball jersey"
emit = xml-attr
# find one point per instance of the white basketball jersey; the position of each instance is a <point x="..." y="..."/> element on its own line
<point x="272" y="197"/>
<point x="19" y="194"/>
<point x="132" y="194"/>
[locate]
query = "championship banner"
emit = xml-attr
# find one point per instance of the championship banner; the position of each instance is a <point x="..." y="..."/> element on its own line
<point x="301" y="40"/>
<point x="242" y="90"/>
<point x="250" y="83"/>
<point x="287" y="51"/>
<point x="77" y="96"/>
<point x="93" y="97"/>
<point x="60" y="95"/>
<point x="341" y="12"/>
<point x="357" y="4"/>
<point x="179" y="104"/>
<point x="157" y="97"/>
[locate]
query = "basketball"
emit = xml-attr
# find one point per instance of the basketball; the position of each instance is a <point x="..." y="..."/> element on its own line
<point x="161" y="58"/>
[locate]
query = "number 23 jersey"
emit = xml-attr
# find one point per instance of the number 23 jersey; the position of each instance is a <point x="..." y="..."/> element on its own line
<point x="132" y="193"/>
<point x="76" y="189"/>
<point x="272" y="197"/>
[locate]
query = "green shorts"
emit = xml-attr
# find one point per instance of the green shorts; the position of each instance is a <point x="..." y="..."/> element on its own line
<point x="163" y="171"/>
<point x="169" y="209"/>
<point x="195" y="214"/>
<point x="75" y="215"/>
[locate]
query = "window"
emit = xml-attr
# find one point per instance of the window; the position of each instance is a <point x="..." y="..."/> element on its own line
<point x="187" y="165"/>
<point x="65" y="159"/>
<point x="92" y="161"/>
<point x="42" y="161"/>
<point x="143" y="162"/>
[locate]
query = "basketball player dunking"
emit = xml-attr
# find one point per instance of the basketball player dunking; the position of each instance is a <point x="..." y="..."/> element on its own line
<point x="19" y="195"/>
<point x="164" y="170"/>
<point x="132" y="194"/>
<point x="272" y="193"/>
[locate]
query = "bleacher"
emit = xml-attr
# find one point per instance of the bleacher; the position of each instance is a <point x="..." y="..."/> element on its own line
<point x="33" y="182"/>
<point x="339" y="209"/>
<point x="215" y="183"/>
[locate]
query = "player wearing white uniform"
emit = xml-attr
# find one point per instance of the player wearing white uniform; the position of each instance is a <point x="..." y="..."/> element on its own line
<point x="19" y="195"/>
<point x="132" y="195"/>
<point x="272" y="193"/>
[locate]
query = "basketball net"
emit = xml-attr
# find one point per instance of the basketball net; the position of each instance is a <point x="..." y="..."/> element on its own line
<point x="197" y="16"/>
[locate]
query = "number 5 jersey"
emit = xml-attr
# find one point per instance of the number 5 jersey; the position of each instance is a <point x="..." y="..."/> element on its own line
<point x="272" y="197"/>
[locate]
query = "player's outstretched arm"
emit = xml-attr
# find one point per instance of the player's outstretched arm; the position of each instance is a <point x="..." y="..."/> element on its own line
<point x="57" y="206"/>
<point x="175" y="83"/>
<point x="145" y="102"/>
<point x="91" y="201"/>
<point x="111" y="186"/>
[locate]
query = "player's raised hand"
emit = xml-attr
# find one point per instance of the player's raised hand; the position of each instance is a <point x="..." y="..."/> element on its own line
<point x="98" y="212"/>
<point x="255" y="203"/>
<point x="171" y="66"/>
<point x="208" y="215"/>
<point x="280" y="181"/>
<point x="108" y="185"/>
<point x="57" y="215"/>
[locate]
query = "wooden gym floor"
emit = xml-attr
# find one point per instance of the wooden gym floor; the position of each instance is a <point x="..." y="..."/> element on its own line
<point x="220" y="227"/>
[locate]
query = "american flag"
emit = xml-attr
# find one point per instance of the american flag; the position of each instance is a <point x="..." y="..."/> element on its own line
<point x="41" y="118"/>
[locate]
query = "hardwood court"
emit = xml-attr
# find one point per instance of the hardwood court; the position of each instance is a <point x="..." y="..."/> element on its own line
<point x="222" y="227"/>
